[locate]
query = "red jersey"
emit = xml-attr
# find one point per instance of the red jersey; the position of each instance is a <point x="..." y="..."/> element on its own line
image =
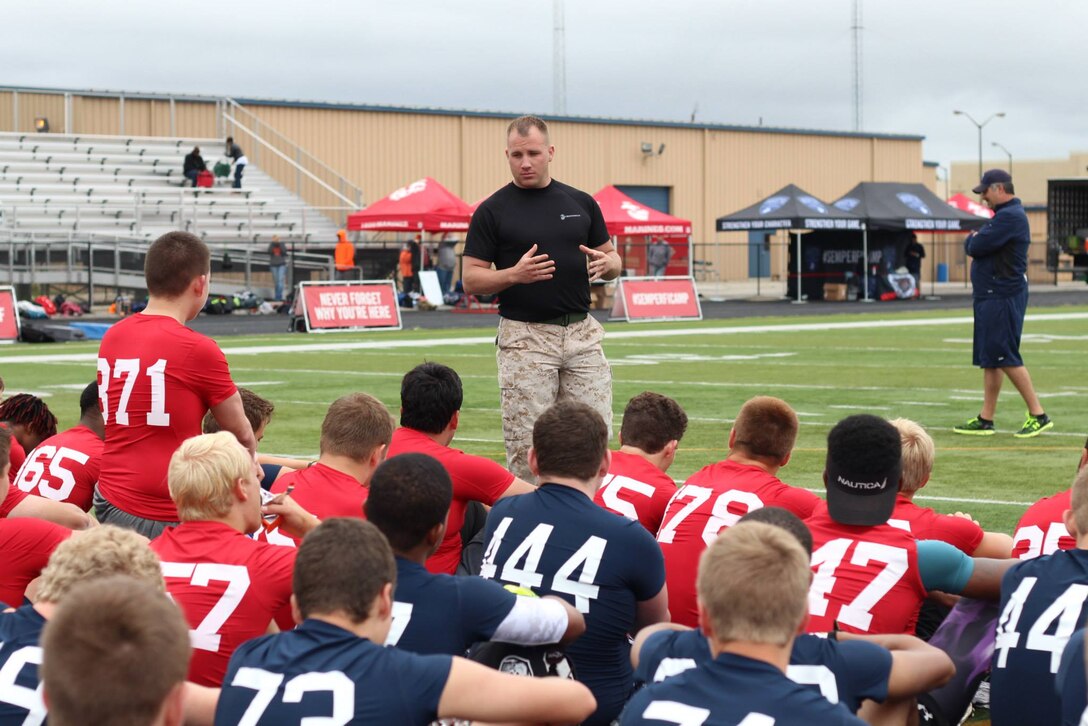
<point x="712" y="499"/>
<point x="64" y="467"/>
<point x="474" y="479"/>
<point x="228" y="586"/>
<point x="1041" y="531"/>
<point x="865" y="578"/>
<point x="636" y="489"/>
<point x="25" y="546"/>
<point x="924" y="523"/>
<point x="156" y="380"/>
<point x="323" y="492"/>
<point x="16" y="456"/>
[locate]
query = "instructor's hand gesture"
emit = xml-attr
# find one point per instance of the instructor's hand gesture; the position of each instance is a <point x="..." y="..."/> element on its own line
<point x="533" y="267"/>
<point x="600" y="263"/>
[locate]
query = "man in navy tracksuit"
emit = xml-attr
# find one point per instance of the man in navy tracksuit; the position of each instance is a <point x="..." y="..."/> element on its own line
<point x="1000" y="288"/>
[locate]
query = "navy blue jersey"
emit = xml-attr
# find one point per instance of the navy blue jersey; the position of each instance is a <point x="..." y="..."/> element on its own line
<point x="442" y="613"/>
<point x="20" y="656"/>
<point x="321" y="672"/>
<point x="1042" y="603"/>
<point x="556" y="541"/>
<point x="842" y="672"/>
<point x="1070" y="682"/>
<point x="732" y="690"/>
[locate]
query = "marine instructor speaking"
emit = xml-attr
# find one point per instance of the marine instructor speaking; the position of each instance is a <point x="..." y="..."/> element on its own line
<point x="538" y="243"/>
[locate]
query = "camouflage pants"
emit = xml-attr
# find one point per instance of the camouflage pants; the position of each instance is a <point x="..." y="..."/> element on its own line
<point x="540" y="364"/>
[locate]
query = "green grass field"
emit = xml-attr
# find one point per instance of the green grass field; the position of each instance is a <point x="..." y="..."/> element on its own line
<point x="915" y="365"/>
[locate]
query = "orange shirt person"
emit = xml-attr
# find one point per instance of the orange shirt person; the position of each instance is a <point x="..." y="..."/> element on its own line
<point x="344" y="256"/>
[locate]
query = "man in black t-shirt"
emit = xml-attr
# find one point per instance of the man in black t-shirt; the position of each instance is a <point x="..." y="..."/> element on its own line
<point x="547" y="242"/>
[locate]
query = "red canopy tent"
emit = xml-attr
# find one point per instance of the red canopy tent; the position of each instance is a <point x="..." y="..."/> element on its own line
<point x="624" y="217"/>
<point x="422" y="206"/>
<point x="966" y="204"/>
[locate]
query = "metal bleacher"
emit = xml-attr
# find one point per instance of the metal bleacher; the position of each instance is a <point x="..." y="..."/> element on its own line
<point x="54" y="184"/>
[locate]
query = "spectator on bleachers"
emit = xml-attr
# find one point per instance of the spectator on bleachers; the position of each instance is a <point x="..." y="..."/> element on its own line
<point x="64" y="467"/>
<point x="156" y="380"/>
<point x="277" y="264"/>
<point x="430" y="412"/>
<point x="637" y="486"/>
<point x="194" y="164"/>
<point x="99" y="553"/>
<point x="234" y="153"/>
<point x="753" y="589"/>
<point x="959" y="530"/>
<point x="715" y="497"/>
<point x="209" y="558"/>
<point x="344" y="256"/>
<point x="115" y="652"/>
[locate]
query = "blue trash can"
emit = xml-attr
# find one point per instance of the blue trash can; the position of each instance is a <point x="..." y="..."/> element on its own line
<point x="942" y="272"/>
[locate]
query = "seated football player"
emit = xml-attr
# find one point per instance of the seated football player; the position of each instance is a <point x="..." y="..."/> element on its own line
<point x="438" y="613"/>
<point x="333" y="665"/>
<point x="1070" y="681"/>
<point x="959" y="530"/>
<point x="889" y="670"/>
<point x="716" y="496"/>
<point x="258" y="412"/>
<point x="115" y="652"/>
<point x="354" y="438"/>
<point x="1041" y="531"/>
<point x="91" y="555"/>
<point x="25" y="542"/>
<point x="229" y="586"/>
<point x="637" y="486"/>
<point x="556" y="541"/>
<point x="753" y="587"/>
<point x="430" y="412"/>
<point x="1043" y="600"/>
<point x="871" y="576"/>
<point x="64" y="467"/>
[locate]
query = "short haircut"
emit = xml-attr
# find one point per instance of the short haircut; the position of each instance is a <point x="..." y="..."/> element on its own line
<point x="341" y="567"/>
<point x="570" y="440"/>
<point x="766" y="427"/>
<point x="173" y="261"/>
<point x="30" y="412"/>
<point x="785" y="519"/>
<point x="258" y="411"/>
<point x="753" y="584"/>
<point x="1007" y="186"/>
<point x="356" y="425"/>
<point x="1079" y="503"/>
<point x="5" y="444"/>
<point x="113" y="652"/>
<point x="202" y="474"/>
<point x="918" y="454"/>
<point x="88" y="400"/>
<point x="409" y="495"/>
<point x="430" y="394"/>
<point x="651" y="420"/>
<point x="96" y="553"/>
<point x="523" y="124"/>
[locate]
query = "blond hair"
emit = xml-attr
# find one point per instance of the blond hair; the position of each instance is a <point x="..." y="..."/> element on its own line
<point x="202" y="475"/>
<point x="753" y="584"/>
<point x="918" y="454"/>
<point x="97" y="553"/>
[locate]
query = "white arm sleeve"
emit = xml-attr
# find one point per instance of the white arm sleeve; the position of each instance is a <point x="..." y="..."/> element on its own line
<point x="533" y="621"/>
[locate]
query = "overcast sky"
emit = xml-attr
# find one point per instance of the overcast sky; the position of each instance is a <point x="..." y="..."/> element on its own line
<point x="786" y="63"/>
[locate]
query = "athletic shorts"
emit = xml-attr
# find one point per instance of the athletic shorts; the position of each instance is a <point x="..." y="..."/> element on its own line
<point x="998" y="325"/>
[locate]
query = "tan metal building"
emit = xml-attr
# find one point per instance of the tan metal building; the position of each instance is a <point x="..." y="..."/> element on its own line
<point x="704" y="171"/>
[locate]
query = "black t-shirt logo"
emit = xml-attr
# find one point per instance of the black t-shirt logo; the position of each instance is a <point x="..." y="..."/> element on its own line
<point x="568" y="216"/>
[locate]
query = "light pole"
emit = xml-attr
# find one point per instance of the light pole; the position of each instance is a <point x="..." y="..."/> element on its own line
<point x="999" y="114"/>
<point x="1007" y="153"/>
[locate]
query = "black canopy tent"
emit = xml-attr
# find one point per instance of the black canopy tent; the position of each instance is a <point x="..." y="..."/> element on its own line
<point x="791" y="208"/>
<point x="913" y="207"/>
